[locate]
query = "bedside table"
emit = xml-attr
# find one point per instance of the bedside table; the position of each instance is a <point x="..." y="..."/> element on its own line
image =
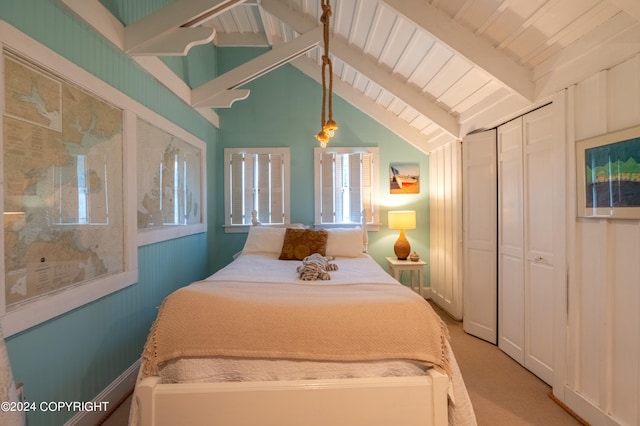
<point x="415" y="268"/>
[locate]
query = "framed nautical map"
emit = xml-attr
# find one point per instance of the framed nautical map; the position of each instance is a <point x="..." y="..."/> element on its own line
<point x="608" y="175"/>
<point x="63" y="191"/>
<point x="170" y="182"/>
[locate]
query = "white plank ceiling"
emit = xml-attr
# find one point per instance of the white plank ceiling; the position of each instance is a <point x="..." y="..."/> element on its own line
<point x="429" y="70"/>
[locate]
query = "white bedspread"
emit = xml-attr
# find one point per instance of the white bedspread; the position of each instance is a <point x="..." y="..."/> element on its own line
<point x="351" y="270"/>
<point x="363" y="269"/>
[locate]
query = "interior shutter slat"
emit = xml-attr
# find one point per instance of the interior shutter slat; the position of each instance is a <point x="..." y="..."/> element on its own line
<point x="237" y="188"/>
<point x="327" y="187"/>
<point x="262" y="193"/>
<point x="367" y="187"/>
<point x="277" y="188"/>
<point x="249" y="192"/>
<point x="355" y="187"/>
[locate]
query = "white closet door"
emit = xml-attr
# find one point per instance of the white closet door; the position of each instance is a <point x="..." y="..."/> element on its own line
<point x="480" y="235"/>
<point x="511" y="249"/>
<point x="539" y="238"/>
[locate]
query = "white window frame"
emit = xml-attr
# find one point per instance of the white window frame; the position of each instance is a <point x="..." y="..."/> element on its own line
<point x="372" y="207"/>
<point x="229" y="153"/>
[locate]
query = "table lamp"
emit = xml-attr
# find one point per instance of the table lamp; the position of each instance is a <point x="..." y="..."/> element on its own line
<point x="402" y="219"/>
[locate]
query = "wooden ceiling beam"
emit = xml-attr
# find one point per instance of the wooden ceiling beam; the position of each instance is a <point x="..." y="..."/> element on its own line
<point x="476" y="50"/>
<point x="203" y="95"/>
<point x="175" y="25"/>
<point x="367" y="105"/>
<point x="369" y="67"/>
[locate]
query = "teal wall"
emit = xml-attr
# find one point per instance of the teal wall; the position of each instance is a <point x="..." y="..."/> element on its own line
<point x="284" y="109"/>
<point x="75" y="356"/>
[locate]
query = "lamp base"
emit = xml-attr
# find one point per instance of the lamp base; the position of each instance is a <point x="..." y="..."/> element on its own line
<point x="402" y="248"/>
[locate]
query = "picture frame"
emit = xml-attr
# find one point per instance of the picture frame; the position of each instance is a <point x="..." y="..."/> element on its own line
<point x="404" y="178"/>
<point x="608" y="175"/>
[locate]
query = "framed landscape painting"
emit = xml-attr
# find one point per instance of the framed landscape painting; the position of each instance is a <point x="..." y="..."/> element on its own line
<point x="608" y="175"/>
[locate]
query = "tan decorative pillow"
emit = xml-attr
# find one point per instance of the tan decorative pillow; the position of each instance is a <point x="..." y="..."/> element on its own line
<point x="300" y="243"/>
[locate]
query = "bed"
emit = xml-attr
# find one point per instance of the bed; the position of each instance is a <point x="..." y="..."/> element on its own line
<point x="253" y="344"/>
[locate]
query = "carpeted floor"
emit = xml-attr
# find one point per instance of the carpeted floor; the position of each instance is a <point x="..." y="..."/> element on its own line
<point x="503" y="393"/>
<point x="501" y="390"/>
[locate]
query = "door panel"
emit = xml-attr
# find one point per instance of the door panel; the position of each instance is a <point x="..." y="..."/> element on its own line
<point x="511" y="303"/>
<point x="480" y="235"/>
<point x="539" y="231"/>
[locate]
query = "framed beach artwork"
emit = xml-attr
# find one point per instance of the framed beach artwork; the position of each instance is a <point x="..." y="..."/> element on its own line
<point x="608" y="175"/>
<point x="404" y="178"/>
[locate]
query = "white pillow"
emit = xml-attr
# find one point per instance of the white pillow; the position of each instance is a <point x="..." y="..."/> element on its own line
<point x="345" y="242"/>
<point x="267" y="239"/>
<point x="264" y="239"/>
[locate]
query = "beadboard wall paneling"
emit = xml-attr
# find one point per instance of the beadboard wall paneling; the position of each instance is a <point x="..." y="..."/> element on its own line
<point x="604" y="296"/>
<point x="445" y="225"/>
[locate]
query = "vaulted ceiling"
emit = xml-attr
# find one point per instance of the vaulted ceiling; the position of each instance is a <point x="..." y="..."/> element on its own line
<point x="429" y="70"/>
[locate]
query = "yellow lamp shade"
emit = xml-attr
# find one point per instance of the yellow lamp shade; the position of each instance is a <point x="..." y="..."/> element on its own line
<point x="402" y="219"/>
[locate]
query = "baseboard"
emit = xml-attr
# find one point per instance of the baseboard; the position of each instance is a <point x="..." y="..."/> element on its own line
<point x="585" y="409"/>
<point x="114" y="394"/>
<point x="566" y="408"/>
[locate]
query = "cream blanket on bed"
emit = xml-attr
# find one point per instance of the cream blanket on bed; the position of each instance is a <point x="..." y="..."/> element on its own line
<point x="350" y="322"/>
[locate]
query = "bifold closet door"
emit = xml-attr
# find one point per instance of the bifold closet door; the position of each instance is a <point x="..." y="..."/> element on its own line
<point x="479" y="192"/>
<point x="511" y="241"/>
<point x="540" y="182"/>
<point x="525" y="241"/>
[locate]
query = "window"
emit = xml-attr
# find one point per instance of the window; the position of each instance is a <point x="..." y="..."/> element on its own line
<point x="346" y="183"/>
<point x="256" y="180"/>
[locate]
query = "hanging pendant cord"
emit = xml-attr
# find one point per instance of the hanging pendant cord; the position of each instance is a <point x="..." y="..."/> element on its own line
<point x="326" y="61"/>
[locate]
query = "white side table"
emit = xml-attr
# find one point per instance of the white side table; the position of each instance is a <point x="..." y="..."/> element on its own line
<point x="416" y="269"/>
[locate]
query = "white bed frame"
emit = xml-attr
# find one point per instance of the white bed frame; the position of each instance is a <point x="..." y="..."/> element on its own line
<point x="380" y="401"/>
<point x="407" y="401"/>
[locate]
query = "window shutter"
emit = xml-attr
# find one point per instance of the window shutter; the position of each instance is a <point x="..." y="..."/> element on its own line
<point x="250" y="189"/>
<point x="327" y="187"/>
<point x="367" y="187"/>
<point x="355" y="189"/>
<point x="341" y="188"/>
<point x="262" y="190"/>
<point x="237" y="188"/>
<point x="277" y="188"/>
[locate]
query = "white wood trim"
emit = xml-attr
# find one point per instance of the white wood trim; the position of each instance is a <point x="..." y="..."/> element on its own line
<point x="175" y="43"/>
<point x="104" y="23"/>
<point x="113" y="394"/>
<point x="162" y="24"/>
<point x="561" y="220"/>
<point x="248" y="71"/>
